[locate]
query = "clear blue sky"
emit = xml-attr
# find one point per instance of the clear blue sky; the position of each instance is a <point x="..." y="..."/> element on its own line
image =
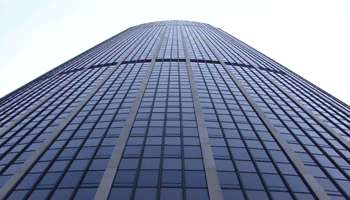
<point x="310" y="37"/>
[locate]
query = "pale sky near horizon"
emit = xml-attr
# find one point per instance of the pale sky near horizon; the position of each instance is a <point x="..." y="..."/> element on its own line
<point x="310" y="37"/>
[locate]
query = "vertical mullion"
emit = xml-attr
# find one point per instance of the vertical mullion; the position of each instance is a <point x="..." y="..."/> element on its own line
<point x="214" y="188"/>
<point x="112" y="167"/>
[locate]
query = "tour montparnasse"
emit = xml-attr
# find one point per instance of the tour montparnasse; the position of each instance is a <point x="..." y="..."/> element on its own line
<point x="173" y="110"/>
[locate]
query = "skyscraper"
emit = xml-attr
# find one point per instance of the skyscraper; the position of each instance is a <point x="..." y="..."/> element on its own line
<point x="173" y="110"/>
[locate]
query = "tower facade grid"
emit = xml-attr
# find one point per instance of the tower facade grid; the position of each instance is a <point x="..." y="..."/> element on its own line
<point x="173" y="110"/>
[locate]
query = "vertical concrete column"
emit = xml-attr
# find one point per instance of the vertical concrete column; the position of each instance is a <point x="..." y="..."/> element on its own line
<point x="108" y="177"/>
<point x="214" y="187"/>
<point x="305" y="173"/>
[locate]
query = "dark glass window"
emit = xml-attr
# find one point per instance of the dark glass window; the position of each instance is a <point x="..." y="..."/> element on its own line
<point x="194" y="164"/>
<point x="62" y="194"/>
<point x="85" y="153"/>
<point x="195" y="179"/>
<point x="192" y="152"/>
<point x="228" y="194"/>
<point x="274" y="182"/>
<point x="49" y="180"/>
<point x="193" y="194"/>
<point x="120" y="193"/>
<point x="125" y="178"/>
<point x="251" y="181"/>
<point x="296" y="184"/>
<point x="172" y="163"/>
<point x="99" y="164"/>
<point x="17" y="195"/>
<point x="228" y="180"/>
<point x="39" y="167"/>
<point x="172" y="178"/>
<point x="128" y="164"/>
<point x="39" y="194"/>
<point x="239" y="153"/>
<point x="245" y="166"/>
<point x="281" y="195"/>
<point x="172" y="151"/>
<point x="151" y="151"/>
<point x="150" y="163"/>
<point x="257" y="195"/>
<point x="28" y="181"/>
<point x="71" y="179"/>
<point x="85" y="193"/>
<point x="146" y="194"/>
<point x="171" y="194"/>
<point x="148" y="178"/>
<point x="132" y="151"/>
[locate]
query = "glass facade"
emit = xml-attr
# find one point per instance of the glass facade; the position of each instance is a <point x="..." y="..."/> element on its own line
<point x="173" y="110"/>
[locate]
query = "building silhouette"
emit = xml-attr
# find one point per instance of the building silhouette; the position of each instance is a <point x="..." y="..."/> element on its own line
<point x="173" y="110"/>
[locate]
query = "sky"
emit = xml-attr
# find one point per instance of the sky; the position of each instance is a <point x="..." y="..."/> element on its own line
<point x="310" y="37"/>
